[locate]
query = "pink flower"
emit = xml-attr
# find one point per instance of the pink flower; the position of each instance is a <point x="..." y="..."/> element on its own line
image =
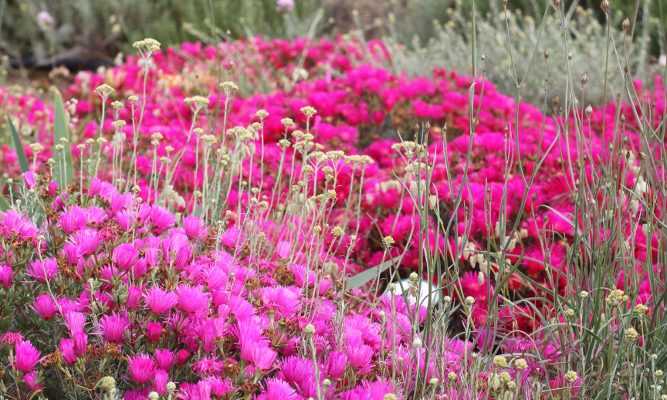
<point x="72" y="220"/>
<point x="113" y="327"/>
<point x="195" y="228"/>
<point x="80" y="343"/>
<point x="285" y="5"/>
<point x="87" y="240"/>
<point x="66" y="348"/>
<point x="11" y="338"/>
<point x="6" y="276"/>
<point x="192" y="299"/>
<point x="153" y="331"/>
<point x="26" y="356"/>
<point x="15" y="224"/>
<point x="125" y="256"/>
<point x="44" y="306"/>
<point x="31" y="380"/>
<point x="263" y="357"/>
<point x="141" y="368"/>
<point x="161" y="218"/>
<point x="360" y="358"/>
<point x="165" y="358"/>
<point x="75" y="321"/>
<point x="278" y="389"/>
<point x="160" y="301"/>
<point x="160" y="381"/>
<point x="43" y="270"/>
<point x="285" y="301"/>
<point x="336" y="364"/>
<point x="300" y="373"/>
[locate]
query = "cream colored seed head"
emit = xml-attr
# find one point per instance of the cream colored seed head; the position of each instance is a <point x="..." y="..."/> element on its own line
<point x="308" y="111"/>
<point x="520" y="364"/>
<point x="500" y="361"/>
<point x="229" y="87"/>
<point x="630" y="334"/>
<point x="118" y="124"/>
<point x="309" y="329"/>
<point x="571" y="376"/>
<point x="287" y="122"/>
<point x="104" y="90"/>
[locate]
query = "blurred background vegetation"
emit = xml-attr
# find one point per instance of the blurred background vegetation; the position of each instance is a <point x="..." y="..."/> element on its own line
<point x="84" y="34"/>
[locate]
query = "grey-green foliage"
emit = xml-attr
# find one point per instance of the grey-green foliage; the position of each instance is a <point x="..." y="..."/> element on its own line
<point x="106" y="26"/>
<point x="513" y="45"/>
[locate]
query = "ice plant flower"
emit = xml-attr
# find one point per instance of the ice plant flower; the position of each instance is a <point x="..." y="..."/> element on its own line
<point x="141" y="368"/>
<point x="43" y="270"/>
<point x="160" y="301"/>
<point x="26" y="356"/>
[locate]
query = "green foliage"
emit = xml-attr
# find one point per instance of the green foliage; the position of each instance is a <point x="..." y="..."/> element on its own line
<point x="536" y="54"/>
<point x="18" y="146"/>
<point x="63" y="171"/>
<point x="84" y="28"/>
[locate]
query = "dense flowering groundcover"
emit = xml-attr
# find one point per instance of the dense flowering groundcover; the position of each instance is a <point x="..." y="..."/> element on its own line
<point x="204" y="244"/>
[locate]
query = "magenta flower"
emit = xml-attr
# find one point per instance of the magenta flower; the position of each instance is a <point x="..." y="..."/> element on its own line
<point x="141" y="368"/>
<point x="31" y="380"/>
<point x="66" y="348"/>
<point x="44" y="306"/>
<point x="6" y="276"/>
<point x="75" y="321"/>
<point x="113" y="327"/>
<point x="165" y="358"/>
<point x="160" y="301"/>
<point x="336" y="364"/>
<point x="299" y="372"/>
<point x="14" y="224"/>
<point x="160" y="381"/>
<point x="285" y="301"/>
<point x="192" y="299"/>
<point x="278" y="389"/>
<point x="43" y="270"/>
<point x="263" y="356"/>
<point x="72" y="220"/>
<point x="26" y="356"/>
<point x="195" y="228"/>
<point x="125" y="256"/>
<point x="87" y="240"/>
<point x="153" y="331"/>
<point x="161" y="218"/>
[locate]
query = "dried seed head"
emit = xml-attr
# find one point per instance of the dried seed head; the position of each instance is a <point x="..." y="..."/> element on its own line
<point x="626" y="25"/>
<point x="309" y="329"/>
<point x="308" y="111"/>
<point x="604" y="6"/>
<point x="106" y="384"/>
<point x="147" y="46"/>
<point x="500" y="361"/>
<point x="104" y="91"/>
<point x="520" y="364"/>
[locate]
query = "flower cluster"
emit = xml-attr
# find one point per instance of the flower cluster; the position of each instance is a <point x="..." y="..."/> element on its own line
<point x="204" y="245"/>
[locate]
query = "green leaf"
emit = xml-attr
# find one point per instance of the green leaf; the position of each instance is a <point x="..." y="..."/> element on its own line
<point x="63" y="171"/>
<point x="23" y="160"/>
<point x="4" y="204"/>
<point x="366" y="276"/>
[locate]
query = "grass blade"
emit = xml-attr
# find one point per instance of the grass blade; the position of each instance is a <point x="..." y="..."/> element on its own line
<point x="20" y="152"/>
<point x="366" y="276"/>
<point x="63" y="171"/>
<point x="4" y="204"/>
